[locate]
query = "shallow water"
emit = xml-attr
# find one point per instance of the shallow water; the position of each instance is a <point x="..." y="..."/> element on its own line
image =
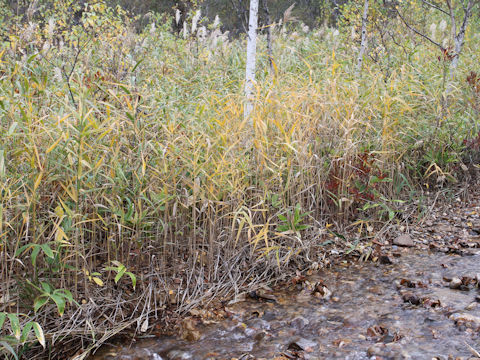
<point x="375" y="311"/>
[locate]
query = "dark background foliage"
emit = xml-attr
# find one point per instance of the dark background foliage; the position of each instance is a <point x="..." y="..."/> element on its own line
<point x="233" y="13"/>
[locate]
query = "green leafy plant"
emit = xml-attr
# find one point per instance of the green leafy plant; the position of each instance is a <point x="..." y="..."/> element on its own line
<point x="47" y="293"/>
<point x="36" y="248"/>
<point x="121" y="270"/>
<point x="292" y="221"/>
<point x="93" y="277"/>
<point x="384" y="206"/>
<point x="19" y="336"/>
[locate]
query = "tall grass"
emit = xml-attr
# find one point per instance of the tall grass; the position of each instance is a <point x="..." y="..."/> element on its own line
<point x="141" y="156"/>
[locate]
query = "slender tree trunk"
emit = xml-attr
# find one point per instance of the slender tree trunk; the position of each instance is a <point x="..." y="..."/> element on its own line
<point x="269" y="34"/>
<point x="459" y="38"/>
<point x="363" y="44"/>
<point x="251" y="58"/>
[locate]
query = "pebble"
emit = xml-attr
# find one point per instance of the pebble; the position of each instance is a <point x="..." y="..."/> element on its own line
<point x="471" y="306"/>
<point x="385" y="260"/>
<point x="305" y="344"/>
<point x="299" y="322"/>
<point x="455" y="283"/>
<point x="404" y="240"/>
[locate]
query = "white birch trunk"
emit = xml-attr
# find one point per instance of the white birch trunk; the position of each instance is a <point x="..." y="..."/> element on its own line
<point x="458" y="40"/>
<point x="460" y="37"/>
<point x="251" y="58"/>
<point x="363" y="44"/>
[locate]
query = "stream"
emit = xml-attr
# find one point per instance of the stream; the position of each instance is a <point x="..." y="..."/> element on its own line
<point x="410" y="305"/>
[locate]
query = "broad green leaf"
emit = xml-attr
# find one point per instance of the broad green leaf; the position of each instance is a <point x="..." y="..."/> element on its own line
<point x="134" y="279"/>
<point x="23" y="248"/>
<point x="120" y="274"/>
<point x="26" y="329"/>
<point x="60" y="301"/>
<point x="48" y="251"/>
<point x="66" y="294"/>
<point x="34" y="255"/>
<point x="46" y="287"/>
<point x="39" y="302"/>
<point x="15" y="324"/>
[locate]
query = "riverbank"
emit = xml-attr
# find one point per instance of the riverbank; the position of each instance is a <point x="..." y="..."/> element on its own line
<point x="417" y="300"/>
<point x="133" y="189"/>
<point x="411" y="283"/>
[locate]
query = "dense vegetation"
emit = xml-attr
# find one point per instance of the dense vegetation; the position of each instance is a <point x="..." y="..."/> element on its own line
<point x="130" y="181"/>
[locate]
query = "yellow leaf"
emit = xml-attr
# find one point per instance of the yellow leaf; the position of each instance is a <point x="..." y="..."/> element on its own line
<point x="59" y="211"/>
<point x="54" y="145"/>
<point x="62" y="119"/>
<point x="37" y="181"/>
<point x="39" y="333"/>
<point x="60" y="236"/>
<point x="97" y="281"/>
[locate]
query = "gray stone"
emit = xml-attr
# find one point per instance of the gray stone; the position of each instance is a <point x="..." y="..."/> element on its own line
<point x="299" y="322"/>
<point x="403" y="240"/>
<point x="455" y="283"/>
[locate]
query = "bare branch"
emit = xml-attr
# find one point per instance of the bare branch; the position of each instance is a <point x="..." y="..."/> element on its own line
<point x="468" y="11"/>
<point x="419" y="33"/>
<point x="435" y="7"/>
<point x="452" y="18"/>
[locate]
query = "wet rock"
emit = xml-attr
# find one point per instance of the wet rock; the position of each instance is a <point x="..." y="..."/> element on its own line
<point x="385" y="260"/>
<point x="264" y="294"/>
<point x="155" y="356"/>
<point x="299" y="322"/>
<point x="274" y="325"/>
<point x="321" y="291"/>
<point x="269" y="316"/>
<point x="302" y="344"/>
<point x="260" y="336"/>
<point x="388" y="338"/>
<point x="408" y="283"/>
<point x="404" y="240"/>
<point x="467" y="319"/>
<point x="410" y="297"/>
<point x="455" y="283"/>
<point x="471" y="306"/>
<point x="178" y="355"/>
